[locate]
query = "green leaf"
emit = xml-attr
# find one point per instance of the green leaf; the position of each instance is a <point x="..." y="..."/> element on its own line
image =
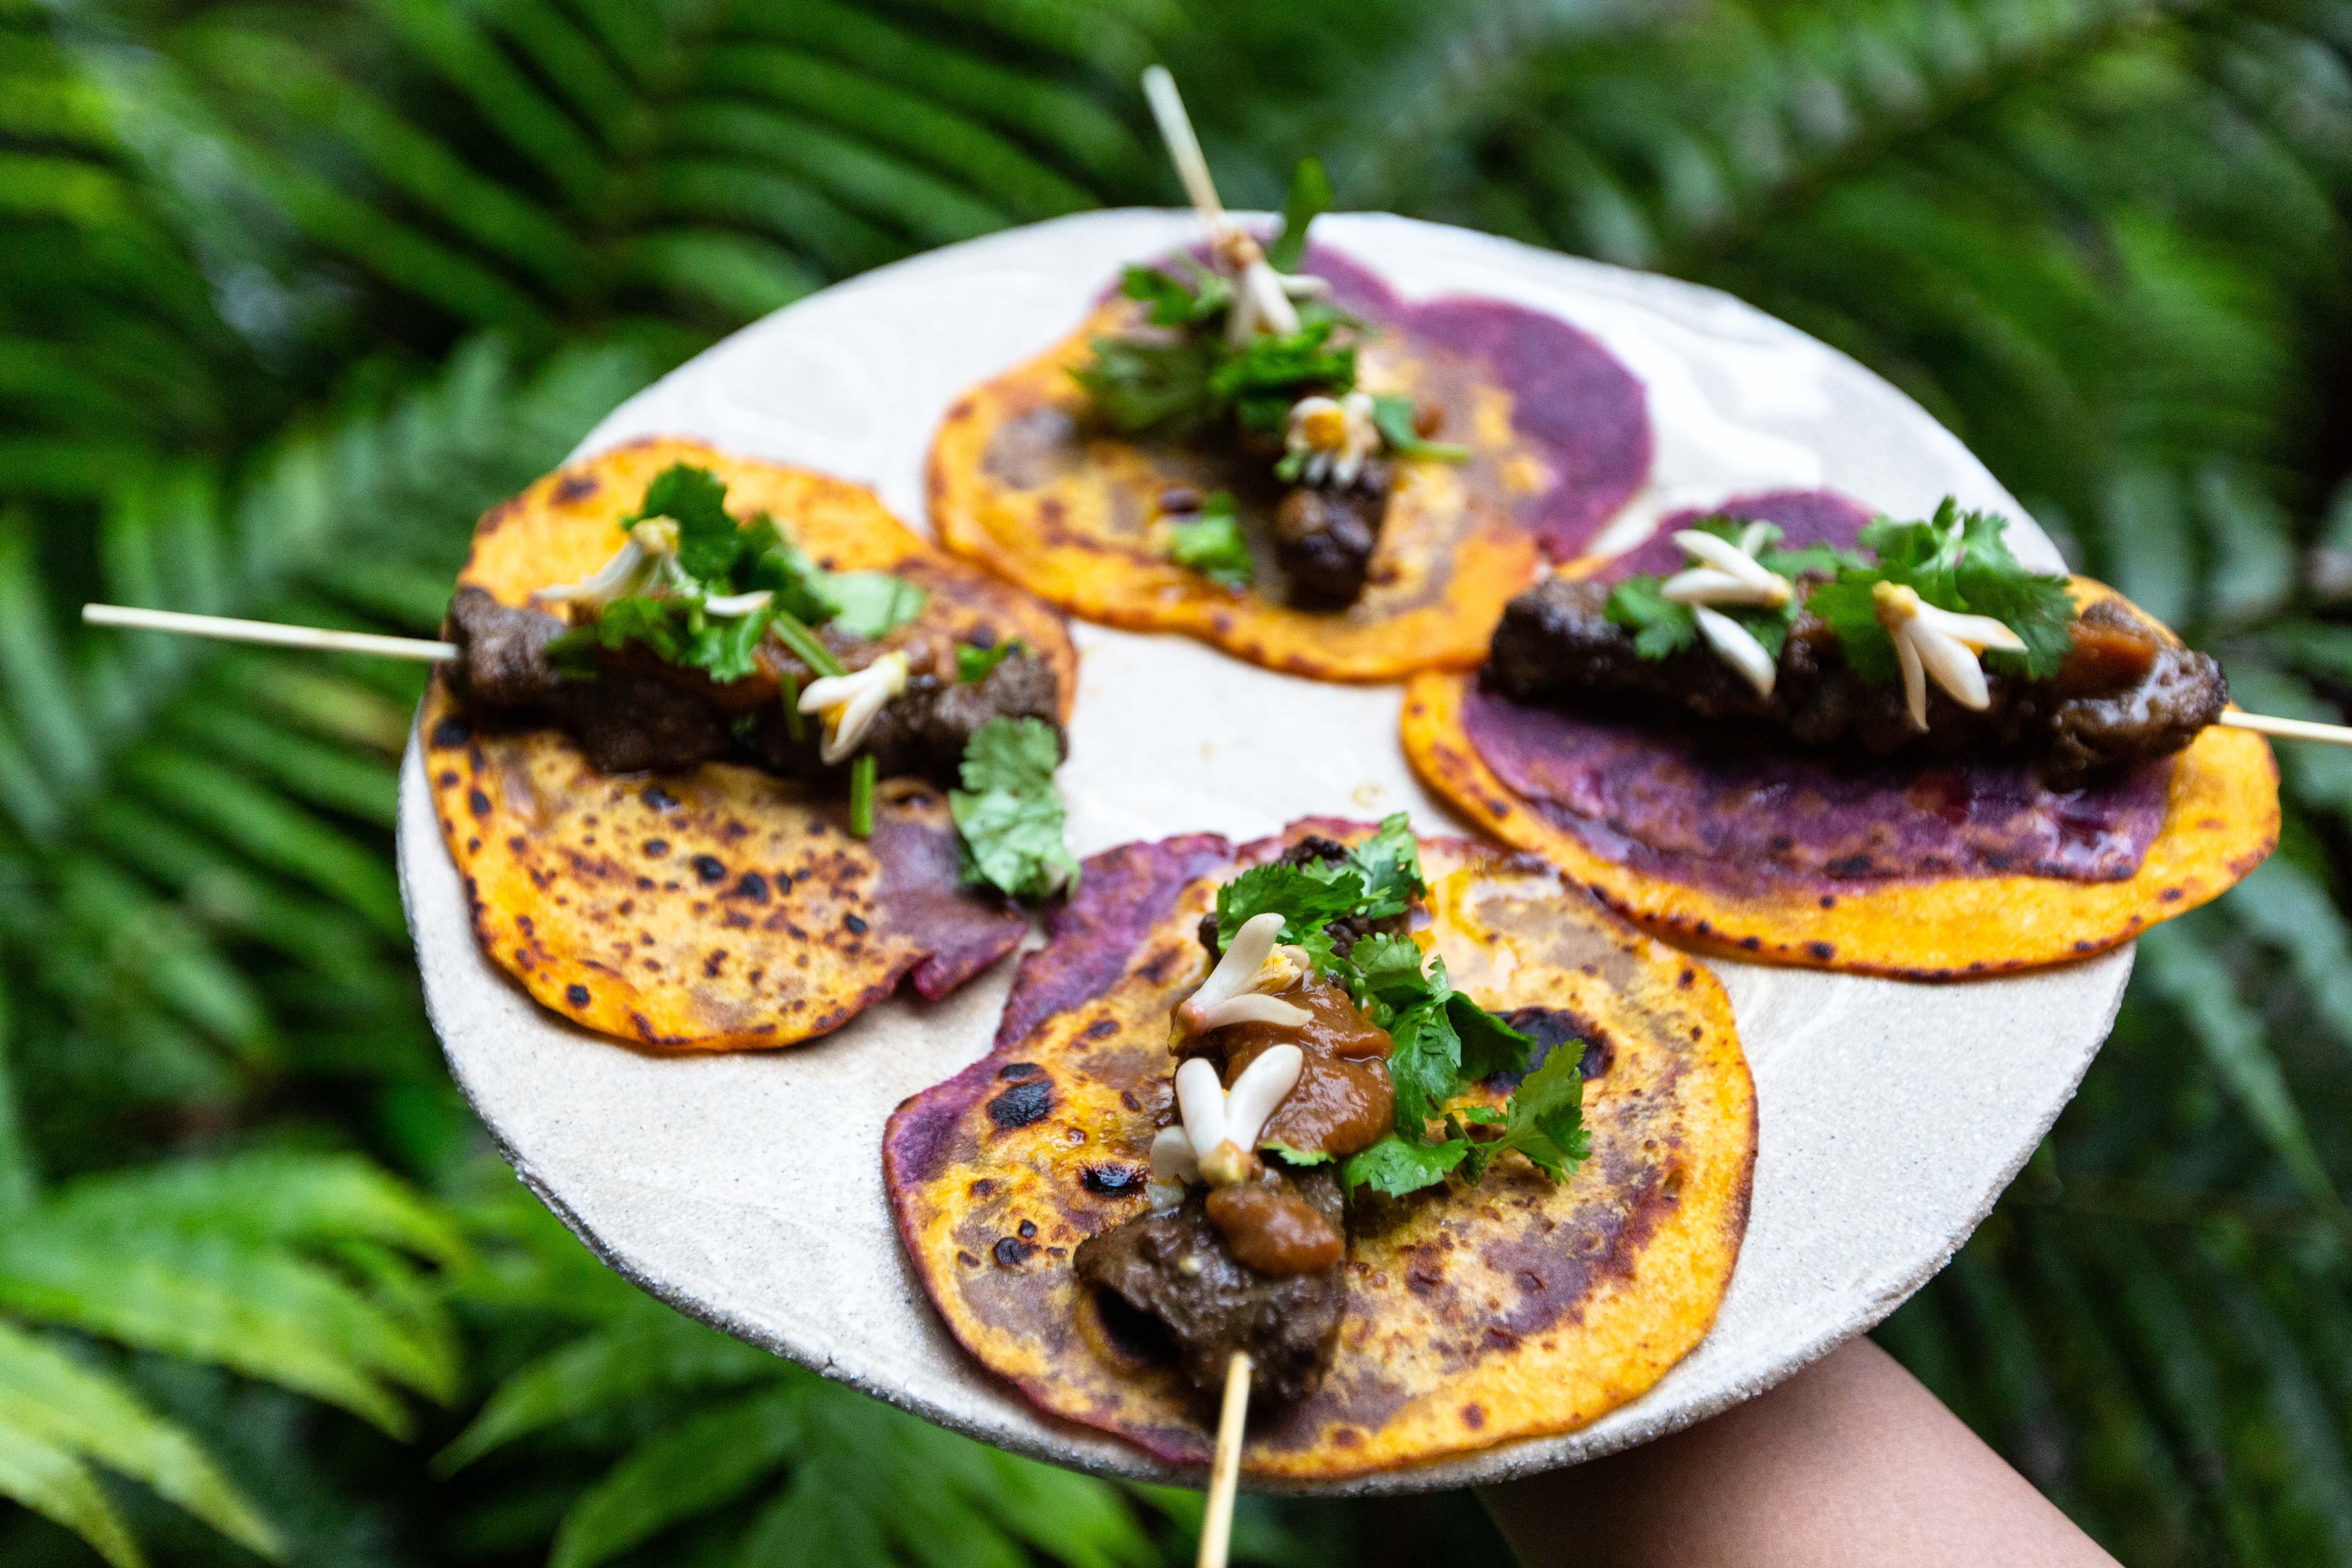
<point x="1489" y="1045"/>
<point x="53" y="1483"/>
<point x="47" y="1396"/>
<point x="642" y="1353"/>
<point x="1660" y="626"/>
<point x="1393" y="414"/>
<point x="1389" y="863"/>
<point x="1398" y="1167"/>
<point x="1138" y="385"/>
<point x="1310" y="197"/>
<point x="1008" y="811"/>
<point x="871" y="603"/>
<point x="1544" y="1119"/>
<point x="1425" y="1065"/>
<point x="709" y="1459"/>
<point x="1212" y="544"/>
<point x="974" y="663"/>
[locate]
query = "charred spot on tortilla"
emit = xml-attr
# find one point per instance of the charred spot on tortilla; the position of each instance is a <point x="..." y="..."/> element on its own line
<point x="1506" y="1018"/>
<point x="751" y="892"/>
<point x="1351" y="499"/>
<point x="1859" y="744"/>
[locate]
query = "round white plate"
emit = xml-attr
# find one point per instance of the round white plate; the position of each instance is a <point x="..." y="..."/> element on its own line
<point x="747" y="1190"/>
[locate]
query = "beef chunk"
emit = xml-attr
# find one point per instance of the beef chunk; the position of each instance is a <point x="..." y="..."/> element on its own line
<point x="922" y="732"/>
<point x="2127" y="693"/>
<point x="627" y="722"/>
<point x="501" y="665"/>
<point x="1324" y="537"/>
<point x="1177" y="1270"/>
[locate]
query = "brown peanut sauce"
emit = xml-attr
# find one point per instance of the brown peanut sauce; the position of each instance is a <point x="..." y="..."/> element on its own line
<point x="1344" y="1099"/>
<point x="1273" y="1230"/>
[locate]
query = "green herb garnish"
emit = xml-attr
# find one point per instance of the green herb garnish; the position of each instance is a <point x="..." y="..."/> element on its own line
<point x="1393" y="414"/>
<point x="1441" y="1039"/>
<point x="1956" y="561"/>
<point x="974" y="662"/>
<point x="862" y="770"/>
<point x="1198" y="379"/>
<point x="716" y="558"/>
<point x="1211" y="543"/>
<point x="1008" y="813"/>
<point x="1661" y="626"/>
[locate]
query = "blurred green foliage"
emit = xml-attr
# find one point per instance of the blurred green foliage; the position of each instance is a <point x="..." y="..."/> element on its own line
<point x="290" y="293"/>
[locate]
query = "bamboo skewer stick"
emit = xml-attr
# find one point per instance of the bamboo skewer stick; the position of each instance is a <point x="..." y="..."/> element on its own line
<point x="1225" y="1469"/>
<point x="225" y="629"/>
<point x="2286" y="729"/>
<point x="1184" y="147"/>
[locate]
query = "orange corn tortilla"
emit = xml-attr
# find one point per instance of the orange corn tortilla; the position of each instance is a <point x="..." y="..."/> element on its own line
<point x="2220" y="821"/>
<point x="1474" y="1316"/>
<point x="719" y="908"/>
<point x="1022" y="479"/>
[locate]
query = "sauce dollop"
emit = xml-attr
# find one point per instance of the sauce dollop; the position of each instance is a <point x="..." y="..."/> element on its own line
<point x="1273" y="1230"/>
<point x="1344" y="1099"/>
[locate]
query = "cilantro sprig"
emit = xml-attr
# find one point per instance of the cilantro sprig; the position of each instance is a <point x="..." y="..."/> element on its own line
<point x="718" y="558"/>
<point x="1441" y="1039"/>
<point x="1211" y="543"/>
<point x="1197" y="379"/>
<point x="1662" y="626"/>
<point x="1956" y="561"/>
<point x="1008" y="813"/>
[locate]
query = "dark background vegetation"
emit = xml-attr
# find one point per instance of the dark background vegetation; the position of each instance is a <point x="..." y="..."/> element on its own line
<point x="290" y="293"/>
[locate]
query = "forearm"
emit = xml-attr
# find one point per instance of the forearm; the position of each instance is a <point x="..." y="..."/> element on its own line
<point x="1851" y="1462"/>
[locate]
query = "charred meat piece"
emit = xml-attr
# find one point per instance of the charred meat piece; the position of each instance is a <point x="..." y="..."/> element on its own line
<point x="501" y="665"/>
<point x="640" y="713"/>
<point x="923" y="732"/>
<point x="1178" y="1271"/>
<point x="2127" y="692"/>
<point x="1324" y="536"/>
<point x="624" y="721"/>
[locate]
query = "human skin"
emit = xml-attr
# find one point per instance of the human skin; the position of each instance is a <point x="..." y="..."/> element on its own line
<point x="1850" y="1463"/>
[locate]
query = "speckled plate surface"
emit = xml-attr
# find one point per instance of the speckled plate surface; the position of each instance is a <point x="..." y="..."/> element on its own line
<point x="747" y="1190"/>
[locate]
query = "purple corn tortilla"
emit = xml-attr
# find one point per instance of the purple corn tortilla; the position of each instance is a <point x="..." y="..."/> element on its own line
<point x="1748" y="822"/>
<point x="1745" y="823"/>
<point x="1582" y="410"/>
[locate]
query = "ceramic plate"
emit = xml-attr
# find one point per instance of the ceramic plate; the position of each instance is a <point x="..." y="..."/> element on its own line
<point x="747" y="1190"/>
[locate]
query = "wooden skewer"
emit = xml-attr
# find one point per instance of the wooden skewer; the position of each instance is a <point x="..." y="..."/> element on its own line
<point x="1184" y="147"/>
<point x="225" y="629"/>
<point x="1225" y="1469"/>
<point x="277" y="635"/>
<point x="2286" y="729"/>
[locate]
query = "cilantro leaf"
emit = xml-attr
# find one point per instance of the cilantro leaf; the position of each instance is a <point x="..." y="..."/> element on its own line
<point x="1545" y="1120"/>
<point x="1175" y="302"/>
<point x="1389" y="975"/>
<point x="1956" y="561"/>
<point x="678" y="631"/>
<point x="870" y="604"/>
<point x="1139" y="385"/>
<point x="1306" y="901"/>
<point x="1262" y="378"/>
<point x="1424" y="1064"/>
<point x="1660" y="626"/>
<point x="1311" y="198"/>
<point x="1489" y="1045"/>
<point x="974" y="662"/>
<point x="773" y="560"/>
<point x="1393" y="414"/>
<point x="1390" y="862"/>
<point x="1008" y="812"/>
<point x="1993" y="582"/>
<point x="1396" y="1167"/>
<point x="708" y="541"/>
<point x="1212" y="544"/>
